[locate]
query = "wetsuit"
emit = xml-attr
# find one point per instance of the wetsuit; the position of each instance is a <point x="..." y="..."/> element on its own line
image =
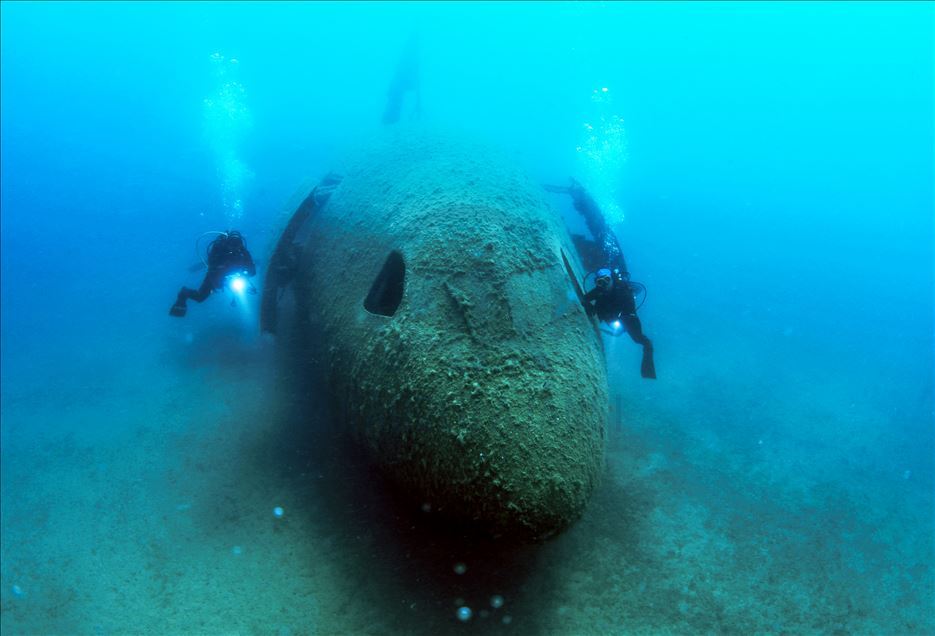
<point x="617" y="303"/>
<point x="227" y="255"/>
<point x="597" y="225"/>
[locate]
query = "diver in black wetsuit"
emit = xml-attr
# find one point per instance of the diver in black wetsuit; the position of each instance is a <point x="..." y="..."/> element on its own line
<point x="612" y="302"/>
<point x="227" y="256"/>
<point x="612" y="299"/>
<point x="405" y="80"/>
<point x="597" y="224"/>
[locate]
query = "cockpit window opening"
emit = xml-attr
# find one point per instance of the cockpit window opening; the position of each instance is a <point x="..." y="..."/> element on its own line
<point x="386" y="292"/>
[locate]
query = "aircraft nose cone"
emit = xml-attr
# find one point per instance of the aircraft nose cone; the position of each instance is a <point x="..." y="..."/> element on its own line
<point x="444" y="293"/>
<point x="514" y="445"/>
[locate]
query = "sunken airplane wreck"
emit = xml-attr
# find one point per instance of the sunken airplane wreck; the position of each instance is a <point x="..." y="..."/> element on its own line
<point x="443" y="293"/>
<point x="443" y="290"/>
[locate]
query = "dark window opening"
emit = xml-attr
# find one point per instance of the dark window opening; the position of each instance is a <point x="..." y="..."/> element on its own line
<point x="387" y="290"/>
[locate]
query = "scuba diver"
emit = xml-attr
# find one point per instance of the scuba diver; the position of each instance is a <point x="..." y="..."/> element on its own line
<point x="405" y="80"/>
<point x="612" y="300"/>
<point x="228" y="259"/>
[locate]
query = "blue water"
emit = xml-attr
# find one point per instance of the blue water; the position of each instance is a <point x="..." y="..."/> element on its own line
<point x="768" y="169"/>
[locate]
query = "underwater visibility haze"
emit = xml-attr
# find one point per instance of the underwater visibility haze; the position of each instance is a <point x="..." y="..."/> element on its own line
<point x="413" y="425"/>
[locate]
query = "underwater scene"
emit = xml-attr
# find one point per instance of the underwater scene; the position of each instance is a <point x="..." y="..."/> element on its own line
<point x="431" y="318"/>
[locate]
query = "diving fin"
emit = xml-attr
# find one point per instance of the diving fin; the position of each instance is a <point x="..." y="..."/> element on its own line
<point x="647" y="366"/>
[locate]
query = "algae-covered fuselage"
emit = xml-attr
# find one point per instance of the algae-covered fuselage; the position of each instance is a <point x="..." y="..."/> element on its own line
<point x="440" y="286"/>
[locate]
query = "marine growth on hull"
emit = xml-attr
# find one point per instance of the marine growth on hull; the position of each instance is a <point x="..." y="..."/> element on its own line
<point x="442" y="290"/>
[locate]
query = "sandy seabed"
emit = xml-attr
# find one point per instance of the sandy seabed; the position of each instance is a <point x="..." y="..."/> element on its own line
<point x="139" y="484"/>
